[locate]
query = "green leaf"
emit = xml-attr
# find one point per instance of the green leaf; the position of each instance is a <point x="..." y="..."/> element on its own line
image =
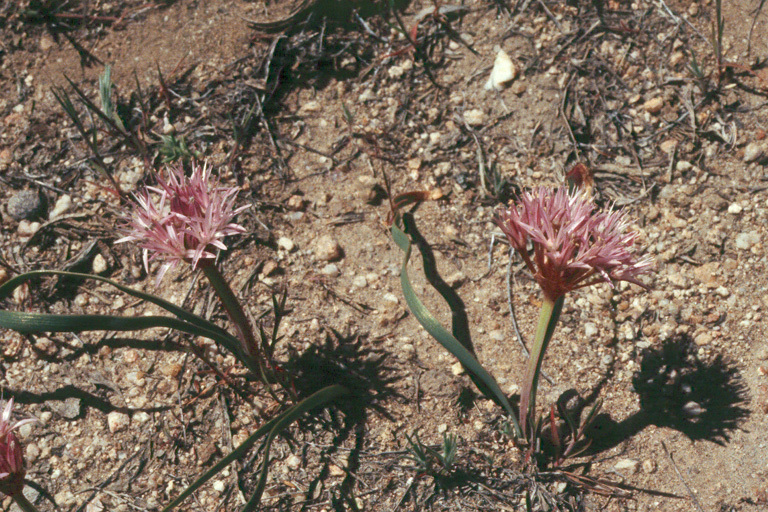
<point x="444" y="337"/>
<point x="271" y="429"/>
<point x="40" y="322"/>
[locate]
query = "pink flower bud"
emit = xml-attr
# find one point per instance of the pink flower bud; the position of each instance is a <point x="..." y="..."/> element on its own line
<point x="11" y="454"/>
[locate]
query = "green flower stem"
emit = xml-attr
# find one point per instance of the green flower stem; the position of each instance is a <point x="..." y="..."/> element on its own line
<point x="236" y="314"/>
<point x="23" y="503"/>
<point x="550" y="314"/>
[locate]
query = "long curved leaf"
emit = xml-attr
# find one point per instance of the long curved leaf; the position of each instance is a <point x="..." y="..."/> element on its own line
<point x="43" y="322"/>
<point x="442" y="335"/>
<point x="37" y="322"/>
<point x="272" y="427"/>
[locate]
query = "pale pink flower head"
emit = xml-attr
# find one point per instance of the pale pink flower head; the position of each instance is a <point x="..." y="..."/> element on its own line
<point x="11" y="454"/>
<point x="182" y="219"/>
<point x="573" y="244"/>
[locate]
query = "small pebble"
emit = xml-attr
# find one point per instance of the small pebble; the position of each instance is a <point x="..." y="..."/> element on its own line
<point x="6" y="157"/>
<point x="64" y="499"/>
<point x="457" y="279"/>
<point x="723" y="292"/>
<point x="32" y="452"/>
<point x="26" y="229"/>
<point x="141" y="417"/>
<point x="629" y="465"/>
<point x="590" y="329"/>
<point x="330" y="270"/>
<point x="286" y="244"/>
<point x="117" y="421"/>
<point x="654" y="105"/>
<point x="328" y="249"/>
<point x="296" y="203"/>
<point x="99" y="264"/>
<point x="218" y="486"/>
<point x="269" y="268"/>
<point x="518" y="88"/>
<point x="504" y="71"/>
<point x="46" y="346"/>
<point x="62" y="206"/>
<point x="474" y="117"/>
<point x="457" y="368"/>
<point x="21" y="294"/>
<point x="293" y="461"/>
<point x="367" y="95"/>
<point x="171" y="370"/>
<point x="310" y="107"/>
<point x="359" y="282"/>
<point x="25" y="204"/>
<point x="745" y="241"/>
<point x="391" y="298"/>
<point x="131" y="356"/>
<point x="734" y="209"/>
<point x="168" y="128"/>
<point x="649" y="466"/>
<point x="693" y="409"/>
<point x="703" y="339"/>
<point x="26" y="430"/>
<point x="69" y="408"/>
<point x="395" y="71"/>
<point x="753" y="151"/>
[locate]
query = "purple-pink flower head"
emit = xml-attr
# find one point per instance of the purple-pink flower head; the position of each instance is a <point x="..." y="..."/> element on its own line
<point x="182" y="219"/>
<point x="11" y="454"/>
<point x="573" y="245"/>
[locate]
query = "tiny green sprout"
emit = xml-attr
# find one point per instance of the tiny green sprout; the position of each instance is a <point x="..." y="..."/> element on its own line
<point x="430" y="460"/>
<point x="173" y="149"/>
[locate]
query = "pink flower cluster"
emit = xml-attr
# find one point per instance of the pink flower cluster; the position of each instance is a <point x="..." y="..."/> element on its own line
<point x="182" y="219"/>
<point x="11" y="454"/>
<point x="573" y="245"/>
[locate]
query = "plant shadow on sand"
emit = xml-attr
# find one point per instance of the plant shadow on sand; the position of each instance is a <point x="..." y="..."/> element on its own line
<point x="704" y="400"/>
<point x="346" y="360"/>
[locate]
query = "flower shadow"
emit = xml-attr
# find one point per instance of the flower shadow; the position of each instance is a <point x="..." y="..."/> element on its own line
<point x="349" y="361"/>
<point x="703" y="399"/>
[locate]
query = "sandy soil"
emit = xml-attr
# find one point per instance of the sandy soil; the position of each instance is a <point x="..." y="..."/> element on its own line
<point x="310" y="117"/>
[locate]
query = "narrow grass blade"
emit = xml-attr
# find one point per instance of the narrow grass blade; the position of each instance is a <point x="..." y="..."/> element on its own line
<point x="271" y="428"/>
<point x="445" y="338"/>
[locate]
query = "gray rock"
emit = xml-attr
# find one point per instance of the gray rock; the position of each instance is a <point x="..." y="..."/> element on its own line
<point x="747" y="239"/>
<point x="69" y="408"/>
<point x="25" y="205"/>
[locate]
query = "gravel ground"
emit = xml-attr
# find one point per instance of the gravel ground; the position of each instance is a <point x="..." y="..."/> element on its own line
<point x="315" y="119"/>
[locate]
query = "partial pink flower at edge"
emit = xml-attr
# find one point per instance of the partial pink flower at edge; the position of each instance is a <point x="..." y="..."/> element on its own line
<point x="573" y="245"/>
<point x="12" y="469"/>
<point x="183" y="219"/>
